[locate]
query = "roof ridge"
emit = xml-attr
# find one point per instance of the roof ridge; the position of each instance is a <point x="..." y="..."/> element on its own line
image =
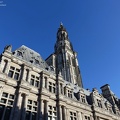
<point x="30" y="49"/>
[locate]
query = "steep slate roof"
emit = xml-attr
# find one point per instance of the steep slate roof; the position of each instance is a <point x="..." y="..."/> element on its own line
<point x="34" y="58"/>
<point x="31" y="57"/>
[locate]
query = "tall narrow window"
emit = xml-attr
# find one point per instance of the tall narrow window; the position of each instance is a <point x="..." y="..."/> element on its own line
<point x="45" y="82"/>
<point x="7" y="113"/>
<point x="69" y="93"/>
<point x="73" y="62"/>
<point x="5" y="65"/>
<point x="11" y="71"/>
<point x="34" y="116"/>
<point x="37" y="82"/>
<point x="27" y="73"/>
<point x="69" y="60"/>
<point x="53" y="87"/>
<point x="82" y="98"/>
<point x="31" y="82"/>
<point x="50" y="86"/>
<point x="1" y="111"/>
<point x="61" y="88"/>
<point x="27" y="115"/>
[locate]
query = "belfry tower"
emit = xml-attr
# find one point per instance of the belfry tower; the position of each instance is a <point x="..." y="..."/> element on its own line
<point x="64" y="58"/>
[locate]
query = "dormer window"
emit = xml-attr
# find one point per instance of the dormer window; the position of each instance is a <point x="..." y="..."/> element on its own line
<point x="31" y="61"/>
<point x="51" y="68"/>
<point x="36" y="62"/>
<point x="47" y="68"/>
<point x="99" y="103"/>
<point x="69" y="93"/>
<point x="31" y="52"/>
<point x="82" y="98"/>
<point x="19" y="53"/>
<point x="118" y="112"/>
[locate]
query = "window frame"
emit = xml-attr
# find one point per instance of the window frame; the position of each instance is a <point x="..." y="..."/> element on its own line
<point x="14" y="73"/>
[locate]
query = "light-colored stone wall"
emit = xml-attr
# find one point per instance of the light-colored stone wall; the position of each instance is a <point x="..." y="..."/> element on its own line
<point x="51" y="96"/>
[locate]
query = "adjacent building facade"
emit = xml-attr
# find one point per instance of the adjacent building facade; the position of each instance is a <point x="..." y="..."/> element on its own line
<point x="35" y="89"/>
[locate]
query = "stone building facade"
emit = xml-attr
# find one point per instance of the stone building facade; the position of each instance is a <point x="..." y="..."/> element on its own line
<point x="35" y="89"/>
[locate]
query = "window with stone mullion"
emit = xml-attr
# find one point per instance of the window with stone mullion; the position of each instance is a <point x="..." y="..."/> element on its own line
<point x="52" y="113"/>
<point x="31" y="111"/>
<point x="73" y="116"/>
<point x="14" y="73"/>
<point x="7" y="99"/>
<point x="34" y="81"/>
<point x="6" y="104"/>
<point x="52" y="87"/>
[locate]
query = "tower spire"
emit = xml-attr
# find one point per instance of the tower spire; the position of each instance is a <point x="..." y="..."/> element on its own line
<point x="61" y="23"/>
<point x="66" y="58"/>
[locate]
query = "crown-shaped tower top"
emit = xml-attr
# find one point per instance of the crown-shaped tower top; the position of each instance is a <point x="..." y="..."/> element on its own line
<point x="62" y="33"/>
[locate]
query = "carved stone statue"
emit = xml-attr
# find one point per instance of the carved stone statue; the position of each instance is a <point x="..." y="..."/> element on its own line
<point x="8" y="48"/>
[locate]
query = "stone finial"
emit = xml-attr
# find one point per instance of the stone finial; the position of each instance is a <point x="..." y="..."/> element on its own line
<point x="8" y="48"/>
<point x="94" y="89"/>
<point x="61" y="24"/>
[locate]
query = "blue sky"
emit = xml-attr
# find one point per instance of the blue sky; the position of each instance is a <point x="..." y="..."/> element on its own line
<point x="93" y="27"/>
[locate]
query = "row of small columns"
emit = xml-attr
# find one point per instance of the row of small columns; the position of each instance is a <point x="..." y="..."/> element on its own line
<point x="19" y="110"/>
<point x="19" y="107"/>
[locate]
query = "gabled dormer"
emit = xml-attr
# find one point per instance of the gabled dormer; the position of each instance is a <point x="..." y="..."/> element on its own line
<point x="97" y="99"/>
<point x="111" y="97"/>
